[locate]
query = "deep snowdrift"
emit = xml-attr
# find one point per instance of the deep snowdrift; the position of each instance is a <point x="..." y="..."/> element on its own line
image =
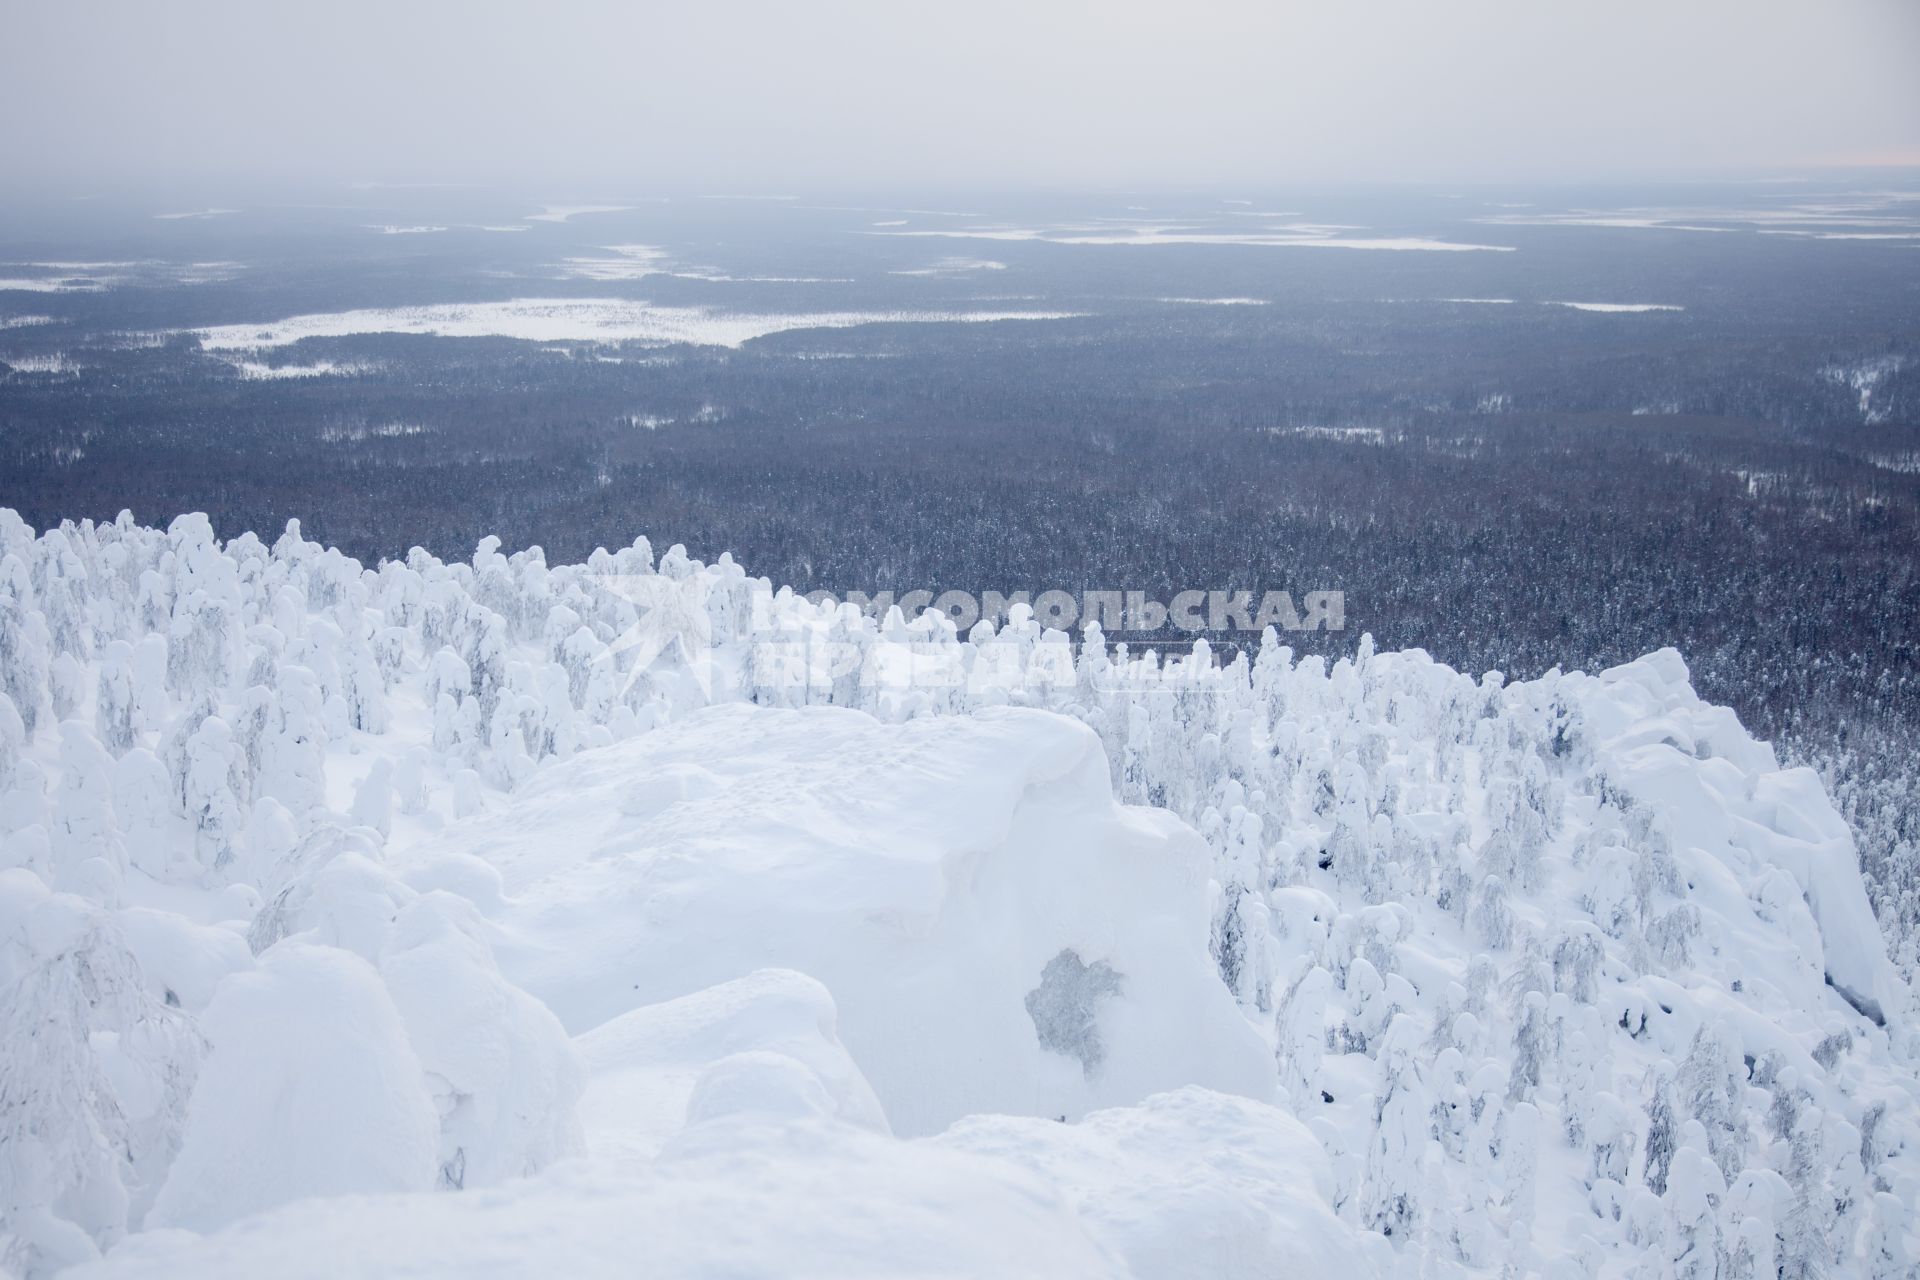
<point x="455" y="919"/>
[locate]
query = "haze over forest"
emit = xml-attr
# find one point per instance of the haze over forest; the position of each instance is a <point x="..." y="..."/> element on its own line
<point x="762" y="97"/>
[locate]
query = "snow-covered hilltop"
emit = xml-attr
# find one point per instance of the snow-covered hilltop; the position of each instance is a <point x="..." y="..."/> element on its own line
<point x="448" y="918"/>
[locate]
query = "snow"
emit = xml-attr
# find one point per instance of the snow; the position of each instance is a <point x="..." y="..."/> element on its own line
<point x="645" y="1065"/>
<point x="1846" y="235"/>
<point x="1347" y="435"/>
<point x="1303" y="237"/>
<point x="310" y="1089"/>
<point x="1881" y="212"/>
<point x="735" y="1196"/>
<point x="629" y="262"/>
<point x="644" y="261"/>
<point x="203" y="272"/>
<point x="94" y="277"/>
<point x="1188" y="1183"/>
<point x="503" y="1075"/>
<point x="1618" y="306"/>
<point x="57" y="363"/>
<point x="1865" y="378"/>
<point x="1726" y="798"/>
<point x="942" y="268"/>
<point x="49" y="284"/>
<point x="714" y="276"/>
<point x="929" y="896"/>
<point x="568" y="212"/>
<point x="577" y="320"/>
<point x="736" y="1104"/>
<point x="183" y="962"/>
<point x="257" y="371"/>
<point x="498" y="917"/>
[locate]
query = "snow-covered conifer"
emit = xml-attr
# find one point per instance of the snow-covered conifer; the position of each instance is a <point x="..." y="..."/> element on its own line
<point x="364" y="686"/>
<point x="1241" y="930"/>
<point x="150" y="683"/>
<point x="410" y="780"/>
<point x="73" y="1156"/>
<point x="1713" y="1092"/>
<point x="88" y="856"/>
<point x="373" y="801"/>
<point x="1804" y="1248"/>
<point x="142" y="803"/>
<point x="66" y="685"/>
<point x="1662" y="1128"/>
<point x="212" y="803"/>
<point x="1520" y="1152"/>
<point x="1531" y="1047"/>
<point x="466" y="793"/>
<point x="114" y="714"/>
<point x="1695" y="1189"/>
<point x="1303" y="1036"/>
<point x="25" y="649"/>
<point x="13" y="740"/>
<point x="1390" y="1201"/>
<point x="293" y="752"/>
<point x="1887" y="1256"/>
<point x="1490" y="915"/>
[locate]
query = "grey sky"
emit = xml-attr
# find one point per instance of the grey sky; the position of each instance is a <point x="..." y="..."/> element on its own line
<point x="761" y="94"/>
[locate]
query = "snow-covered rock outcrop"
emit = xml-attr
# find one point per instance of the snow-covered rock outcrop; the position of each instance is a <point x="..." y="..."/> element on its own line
<point x="998" y="934"/>
<point x="1735" y="818"/>
<point x="774" y="912"/>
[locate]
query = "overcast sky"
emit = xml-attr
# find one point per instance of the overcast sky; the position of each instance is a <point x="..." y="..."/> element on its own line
<point x="770" y="94"/>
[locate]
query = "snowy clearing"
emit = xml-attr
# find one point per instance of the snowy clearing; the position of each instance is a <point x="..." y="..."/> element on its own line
<point x="58" y="362"/>
<point x="1304" y="238"/>
<point x="952" y="267"/>
<point x="579" y="320"/>
<point x="50" y="284"/>
<point x="256" y="371"/>
<point x="93" y="277"/>
<point x="1618" y="306"/>
<point x="629" y="262"/>
<point x="568" y="212"/>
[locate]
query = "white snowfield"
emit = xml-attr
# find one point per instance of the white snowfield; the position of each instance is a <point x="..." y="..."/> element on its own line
<point x="435" y="919"/>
